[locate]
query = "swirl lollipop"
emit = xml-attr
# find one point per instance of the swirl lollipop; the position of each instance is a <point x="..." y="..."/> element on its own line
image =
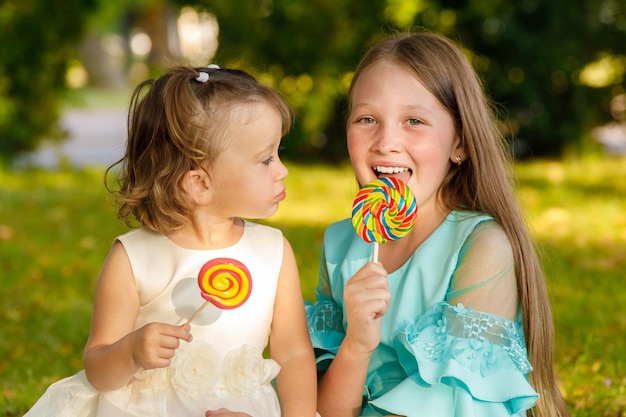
<point x="224" y="282"/>
<point x="383" y="210"/>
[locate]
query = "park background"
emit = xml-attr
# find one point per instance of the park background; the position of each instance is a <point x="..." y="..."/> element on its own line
<point x="556" y="71"/>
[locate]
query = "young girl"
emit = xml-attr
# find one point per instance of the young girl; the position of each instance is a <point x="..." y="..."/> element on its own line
<point x="202" y="155"/>
<point x="454" y="320"/>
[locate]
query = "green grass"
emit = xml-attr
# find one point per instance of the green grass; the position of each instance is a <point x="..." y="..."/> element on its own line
<point x="56" y="228"/>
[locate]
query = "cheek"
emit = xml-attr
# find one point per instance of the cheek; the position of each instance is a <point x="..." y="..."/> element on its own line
<point x="355" y="146"/>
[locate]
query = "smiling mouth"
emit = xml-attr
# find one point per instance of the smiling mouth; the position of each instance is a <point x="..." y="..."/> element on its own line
<point x="384" y="171"/>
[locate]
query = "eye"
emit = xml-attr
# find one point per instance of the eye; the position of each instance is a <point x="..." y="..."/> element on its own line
<point x="366" y="120"/>
<point x="415" y="122"/>
<point x="268" y="160"/>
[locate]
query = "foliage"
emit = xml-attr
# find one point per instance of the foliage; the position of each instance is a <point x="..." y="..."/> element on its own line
<point x="38" y="42"/>
<point x="57" y="227"/>
<point x="533" y="56"/>
<point x="527" y="53"/>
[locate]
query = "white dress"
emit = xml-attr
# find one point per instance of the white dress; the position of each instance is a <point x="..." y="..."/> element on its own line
<point x="222" y="367"/>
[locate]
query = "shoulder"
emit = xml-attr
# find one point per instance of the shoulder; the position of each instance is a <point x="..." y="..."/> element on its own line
<point x="489" y="237"/>
<point x="339" y="235"/>
<point x="141" y="241"/>
<point x="340" y="230"/>
<point x="138" y="234"/>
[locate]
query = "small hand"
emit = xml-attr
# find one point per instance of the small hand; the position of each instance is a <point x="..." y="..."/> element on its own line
<point x="222" y="412"/>
<point x="367" y="299"/>
<point x="155" y="344"/>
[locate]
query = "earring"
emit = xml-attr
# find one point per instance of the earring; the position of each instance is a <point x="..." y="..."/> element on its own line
<point x="458" y="160"/>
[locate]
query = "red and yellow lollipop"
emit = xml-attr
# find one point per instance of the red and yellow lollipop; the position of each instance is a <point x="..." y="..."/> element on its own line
<point x="383" y="210"/>
<point x="224" y="282"/>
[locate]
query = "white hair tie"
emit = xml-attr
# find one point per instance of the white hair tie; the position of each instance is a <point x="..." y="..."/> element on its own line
<point x="202" y="77"/>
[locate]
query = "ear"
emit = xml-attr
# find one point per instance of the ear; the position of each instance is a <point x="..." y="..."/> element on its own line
<point x="458" y="154"/>
<point x="197" y="184"/>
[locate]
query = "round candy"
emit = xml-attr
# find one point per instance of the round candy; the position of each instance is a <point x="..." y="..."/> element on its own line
<point x="383" y="210"/>
<point x="225" y="282"/>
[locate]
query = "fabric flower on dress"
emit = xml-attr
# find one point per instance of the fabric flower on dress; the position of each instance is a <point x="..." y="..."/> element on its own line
<point x="194" y="368"/>
<point x="245" y="370"/>
<point x="154" y="380"/>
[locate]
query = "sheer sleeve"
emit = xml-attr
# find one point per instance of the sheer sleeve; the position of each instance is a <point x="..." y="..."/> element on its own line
<point x="467" y="354"/>
<point x="484" y="279"/>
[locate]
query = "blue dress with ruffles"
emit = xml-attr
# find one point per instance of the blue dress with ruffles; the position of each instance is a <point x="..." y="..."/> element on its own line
<point x="434" y="359"/>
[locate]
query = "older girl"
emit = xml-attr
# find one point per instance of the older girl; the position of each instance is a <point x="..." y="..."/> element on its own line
<point x="454" y="320"/>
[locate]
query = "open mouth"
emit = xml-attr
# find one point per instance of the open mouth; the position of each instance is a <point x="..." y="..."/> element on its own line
<point x="402" y="173"/>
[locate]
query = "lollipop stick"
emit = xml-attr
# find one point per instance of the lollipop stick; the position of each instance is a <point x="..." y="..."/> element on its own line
<point x="375" y="252"/>
<point x="194" y="315"/>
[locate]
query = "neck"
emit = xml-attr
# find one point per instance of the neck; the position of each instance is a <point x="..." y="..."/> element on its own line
<point x="208" y="234"/>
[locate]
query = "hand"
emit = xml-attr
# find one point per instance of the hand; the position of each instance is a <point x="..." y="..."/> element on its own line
<point x="155" y="344"/>
<point x="366" y="299"/>
<point x="222" y="412"/>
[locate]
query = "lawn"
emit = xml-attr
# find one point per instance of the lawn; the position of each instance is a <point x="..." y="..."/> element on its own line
<point x="56" y="228"/>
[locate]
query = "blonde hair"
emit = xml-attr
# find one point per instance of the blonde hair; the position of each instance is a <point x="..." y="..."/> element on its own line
<point x="182" y="122"/>
<point x="482" y="183"/>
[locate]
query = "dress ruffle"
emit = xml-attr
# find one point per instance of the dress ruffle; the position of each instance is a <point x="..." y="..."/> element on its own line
<point x="475" y="357"/>
<point x="197" y="380"/>
<point x="459" y="362"/>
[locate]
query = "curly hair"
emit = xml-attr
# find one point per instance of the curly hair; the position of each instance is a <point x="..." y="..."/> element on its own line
<point x="181" y="122"/>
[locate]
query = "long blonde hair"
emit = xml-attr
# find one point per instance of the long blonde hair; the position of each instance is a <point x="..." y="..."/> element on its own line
<point x="180" y="123"/>
<point x="482" y="183"/>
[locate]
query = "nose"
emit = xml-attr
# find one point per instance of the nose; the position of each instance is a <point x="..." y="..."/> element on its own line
<point x="387" y="139"/>
<point x="281" y="171"/>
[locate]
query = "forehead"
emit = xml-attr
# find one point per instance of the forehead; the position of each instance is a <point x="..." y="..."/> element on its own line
<point x="253" y="125"/>
<point x="390" y="80"/>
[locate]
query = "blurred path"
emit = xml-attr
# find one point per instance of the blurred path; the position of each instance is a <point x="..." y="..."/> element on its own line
<point x="96" y="137"/>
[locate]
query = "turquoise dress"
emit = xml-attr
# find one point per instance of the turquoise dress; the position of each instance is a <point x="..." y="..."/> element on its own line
<point x="434" y="359"/>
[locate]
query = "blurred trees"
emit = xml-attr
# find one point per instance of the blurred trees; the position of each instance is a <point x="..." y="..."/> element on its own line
<point x="37" y="43"/>
<point x="552" y="67"/>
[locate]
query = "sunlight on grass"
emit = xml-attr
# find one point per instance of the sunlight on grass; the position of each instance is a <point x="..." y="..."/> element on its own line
<point x="317" y="195"/>
<point x="57" y="227"/>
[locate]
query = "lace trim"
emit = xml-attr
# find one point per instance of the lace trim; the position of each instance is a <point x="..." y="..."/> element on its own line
<point x="470" y="337"/>
<point x="325" y="316"/>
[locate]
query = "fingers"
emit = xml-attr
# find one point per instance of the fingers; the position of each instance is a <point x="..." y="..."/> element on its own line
<point x="155" y="344"/>
<point x="366" y="298"/>
<point x="368" y="291"/>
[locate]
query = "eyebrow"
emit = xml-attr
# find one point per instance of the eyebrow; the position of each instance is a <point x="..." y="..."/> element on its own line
<point x="268" y="148"/>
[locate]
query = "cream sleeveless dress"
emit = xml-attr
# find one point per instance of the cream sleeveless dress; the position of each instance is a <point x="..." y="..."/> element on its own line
<point x="222" y="367"/>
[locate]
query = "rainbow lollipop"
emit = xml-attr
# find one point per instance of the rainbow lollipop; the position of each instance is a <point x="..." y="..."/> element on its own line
<point x="224" y="282"/>
<point x="383" y="210"/>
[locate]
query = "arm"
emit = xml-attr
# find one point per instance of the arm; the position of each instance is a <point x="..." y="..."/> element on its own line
<point x="290" y="345"/>
<point x="366" y="300"/>
<point x="115" y="351"/>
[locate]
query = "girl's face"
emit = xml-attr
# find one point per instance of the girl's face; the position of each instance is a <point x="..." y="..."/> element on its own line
<point x="398" y="128"/>
<point x="247" y="178"/>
